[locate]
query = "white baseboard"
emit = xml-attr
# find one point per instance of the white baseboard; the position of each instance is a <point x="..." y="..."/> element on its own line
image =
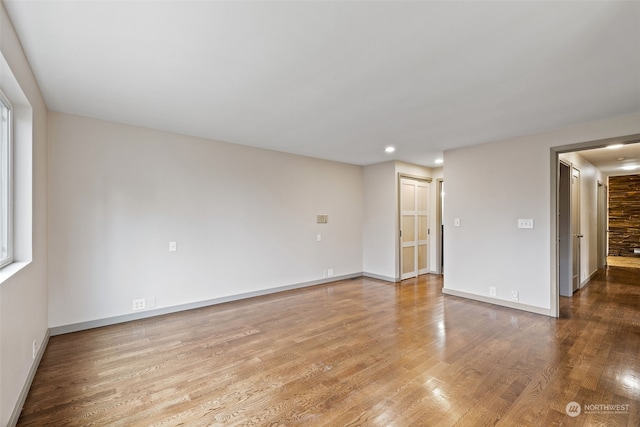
<point x="380" y="277"/>
<point x="588" y="279"/>
<point x="500" y="302"/>
<point x="22" y="397"/>
<point x="65" y="329"/>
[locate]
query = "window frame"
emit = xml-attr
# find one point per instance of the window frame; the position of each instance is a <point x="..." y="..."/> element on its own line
<point x="6" y="188"/>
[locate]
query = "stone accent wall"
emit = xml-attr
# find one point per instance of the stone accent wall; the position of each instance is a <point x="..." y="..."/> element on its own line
<point x="624" y="215"/>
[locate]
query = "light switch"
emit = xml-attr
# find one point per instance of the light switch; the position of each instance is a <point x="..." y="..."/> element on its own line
<point x="525" y="223"/>
<point x="318" y="237"/>
<point x="456" y="222"/>
<point x="173" y="246"/>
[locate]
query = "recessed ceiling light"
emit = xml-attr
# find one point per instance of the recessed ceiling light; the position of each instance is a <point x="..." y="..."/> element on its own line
<point x="630" y="167"/>
<point x="614" y="146"/>
<point x="439" y="161"/>
<point x="390" y="149"/>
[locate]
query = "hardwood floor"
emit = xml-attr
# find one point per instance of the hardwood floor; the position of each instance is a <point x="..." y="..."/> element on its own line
<point x="360" y="352"/>
<point x="622" y="261"/>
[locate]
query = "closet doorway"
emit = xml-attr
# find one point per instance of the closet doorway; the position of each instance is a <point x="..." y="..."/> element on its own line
<point x="414" y="227"/>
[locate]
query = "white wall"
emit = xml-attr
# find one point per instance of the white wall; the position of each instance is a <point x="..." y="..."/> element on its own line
<point x="23" y="288"/>
<point x="244" y="219"/>
<point x="380" y="221"/>
<point x="589" y="177"/>
<point x="489" y="187"/>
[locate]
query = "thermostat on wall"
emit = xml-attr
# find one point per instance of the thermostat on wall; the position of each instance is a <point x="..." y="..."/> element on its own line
<point x="323" y="219"/>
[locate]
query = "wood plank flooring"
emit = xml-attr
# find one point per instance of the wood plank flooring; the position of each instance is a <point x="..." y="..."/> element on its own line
<point x="623" y="261"/>
<point x="359" y="352"/>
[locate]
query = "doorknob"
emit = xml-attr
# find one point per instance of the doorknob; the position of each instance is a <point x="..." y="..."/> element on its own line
<point x="580" y="235"/>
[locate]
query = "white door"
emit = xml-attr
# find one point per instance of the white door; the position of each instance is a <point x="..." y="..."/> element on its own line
<point x="575" y="227"/>
<point x="565" y="239"/>
<point x="414" y="227"/>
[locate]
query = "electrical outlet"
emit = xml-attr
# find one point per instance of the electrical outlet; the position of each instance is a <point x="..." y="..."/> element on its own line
<point x="173" y="246"/>
<point x="139" y="304"/>
<point x="34" y="349"/>
<point x="492" y="291"/>
<point x="330" y="272"/>
<point x="515" y="295"/>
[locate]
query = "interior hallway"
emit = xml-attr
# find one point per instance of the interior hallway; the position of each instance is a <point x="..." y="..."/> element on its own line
<point x="360" y="351"/>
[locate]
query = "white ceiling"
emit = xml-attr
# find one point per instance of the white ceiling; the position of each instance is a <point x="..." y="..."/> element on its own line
<point x="612" y="161"/>
<point x="337" y="80"/>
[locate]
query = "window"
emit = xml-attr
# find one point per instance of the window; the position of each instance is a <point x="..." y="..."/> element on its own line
<point x="6" y="196"/>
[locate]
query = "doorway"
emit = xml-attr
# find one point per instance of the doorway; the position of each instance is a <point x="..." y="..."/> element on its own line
<point x="602" y="224"/>
<point x="597" y="161"/>
<point x="569" y="236"/>
<point x="414" y="227"/>
<point x="575" y="228"/>
<point x="440" y="227"/>
<point x="564" y="230"/>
